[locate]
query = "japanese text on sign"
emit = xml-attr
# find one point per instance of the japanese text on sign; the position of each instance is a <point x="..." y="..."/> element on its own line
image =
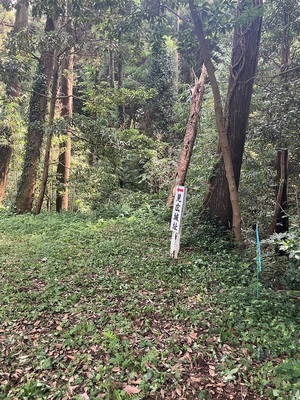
<point x="178" y="208"/>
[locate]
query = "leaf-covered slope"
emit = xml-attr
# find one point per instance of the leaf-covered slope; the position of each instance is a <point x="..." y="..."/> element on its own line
<point x="97" y="309"/>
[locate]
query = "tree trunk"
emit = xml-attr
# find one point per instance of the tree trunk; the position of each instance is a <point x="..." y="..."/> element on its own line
<point x="21" y="22"/>
<point x="120" y="85"/>
<point x="280" y="221"/>
<point x="111" y="68"/>
<point x="5" y="155"/>
<point x="285" y="48"/>
<point x="120" y="81"/>
<point x="223" y="139"/>
<point x="64" y="162"/>
<point x="190" y="136"/>
<point x="13" y="90"/>
<point x="243" y="68"/>
<point x="49" y="138"/>
<point x="36" y="129"/>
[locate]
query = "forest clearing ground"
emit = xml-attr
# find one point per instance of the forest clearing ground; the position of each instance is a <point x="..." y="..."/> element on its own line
<point x="98" y="309"/>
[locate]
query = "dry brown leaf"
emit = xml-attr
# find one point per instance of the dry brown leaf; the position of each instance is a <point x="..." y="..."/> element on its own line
<point x="195" y="379"/>
<point x="211" y="370"/>
<point x="193" y="335"/>
<point x="136" y="381"/>
<point x="245" y="351"/>
<point x="131" y="390"/>
<point x="178" y="390"/>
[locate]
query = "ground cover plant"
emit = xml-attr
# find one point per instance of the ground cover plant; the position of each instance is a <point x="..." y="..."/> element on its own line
<point x="95" y="308"/>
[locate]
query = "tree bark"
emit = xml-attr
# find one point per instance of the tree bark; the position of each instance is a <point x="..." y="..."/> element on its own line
<point x="5" y="156"/>
<point x="21" y="22"/>
<point x="111" y="68"/>
<point x="285" y="47"/>
<point x="243" y="68"/>
<point x="190" y="135"/>
<point x="223" y="139"/>
<point x="121" y="81"/>
<point x="280" y="222"/>
<point x="49" y="138"/>
<point x="36" y="129"/>
<point x="13" y="90"/>
<point x="64" y="163"/>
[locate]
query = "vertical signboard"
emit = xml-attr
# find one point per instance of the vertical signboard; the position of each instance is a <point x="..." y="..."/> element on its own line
<point x="176" y="220"/>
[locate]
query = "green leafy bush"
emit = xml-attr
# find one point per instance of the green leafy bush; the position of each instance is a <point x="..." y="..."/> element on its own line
<point x="286" y="266"/>
<point x="286" y="378"/>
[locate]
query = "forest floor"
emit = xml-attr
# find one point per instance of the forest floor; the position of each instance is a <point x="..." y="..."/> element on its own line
<point x="93" y="308"/>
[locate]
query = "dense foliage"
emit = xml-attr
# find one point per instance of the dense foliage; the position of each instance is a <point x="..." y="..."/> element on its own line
<point x="134" y="67"/>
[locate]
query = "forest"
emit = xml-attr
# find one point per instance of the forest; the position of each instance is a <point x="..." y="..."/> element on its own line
<point x="106" y="108"/>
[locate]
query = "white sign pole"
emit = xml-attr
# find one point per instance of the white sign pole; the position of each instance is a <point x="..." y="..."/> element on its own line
<point x="177" y="214"/>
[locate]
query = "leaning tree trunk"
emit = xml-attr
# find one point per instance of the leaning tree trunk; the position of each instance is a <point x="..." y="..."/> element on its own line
<point x="36" y="129"/>
<point x="190" y="135"/>
<point x="243" y="68"/>
<point x="223" y="139"/>
<point x="64" y="162"/>
<point x="13" y="90"/>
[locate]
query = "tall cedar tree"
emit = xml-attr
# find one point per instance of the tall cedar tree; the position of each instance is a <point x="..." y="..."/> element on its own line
<point x="244" y="60"/>
<point x="13" y="90"/>
<point x="64" y="163"/>
<point x="223" y="139"/>
<point x="36" y="128"/>
<point x="48" y="145"/>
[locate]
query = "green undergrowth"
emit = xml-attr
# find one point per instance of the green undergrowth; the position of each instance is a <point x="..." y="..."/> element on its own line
<point x="94" y="308"/>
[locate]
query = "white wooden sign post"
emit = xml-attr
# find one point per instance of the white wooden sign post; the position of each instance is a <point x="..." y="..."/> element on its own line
<point x="177" y="214"/>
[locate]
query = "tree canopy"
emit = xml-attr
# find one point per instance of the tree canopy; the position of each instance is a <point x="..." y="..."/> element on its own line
<point x="134" y="66"/>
